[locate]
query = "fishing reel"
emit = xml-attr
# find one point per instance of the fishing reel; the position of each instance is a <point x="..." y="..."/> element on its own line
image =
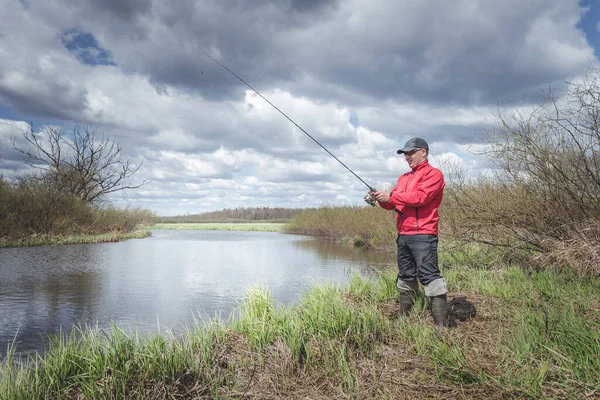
<point x="370" y="200"/>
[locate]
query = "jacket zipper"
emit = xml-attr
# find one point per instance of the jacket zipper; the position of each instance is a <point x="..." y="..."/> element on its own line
<point x="417" y="217"/>
<point x="416" y="208"/>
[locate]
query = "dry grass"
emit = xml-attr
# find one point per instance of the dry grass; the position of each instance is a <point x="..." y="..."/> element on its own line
<point x="580" y="250"/>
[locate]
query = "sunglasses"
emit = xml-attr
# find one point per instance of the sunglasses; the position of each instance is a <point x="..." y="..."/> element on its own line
<point x="410" y="153"/>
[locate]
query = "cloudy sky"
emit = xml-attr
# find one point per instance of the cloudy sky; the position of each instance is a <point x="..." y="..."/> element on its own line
<point x="361" y="77"/>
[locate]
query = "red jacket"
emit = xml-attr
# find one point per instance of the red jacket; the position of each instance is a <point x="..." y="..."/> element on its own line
<point x="417" y="195"/>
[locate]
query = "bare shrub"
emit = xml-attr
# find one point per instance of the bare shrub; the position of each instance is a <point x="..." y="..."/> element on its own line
<point x="4" y="197"/>
<point x="370" y="226"/>
<point x="580" y="250"/>
<point x="33" y="208"/>
<point x="544" y="196"/>
<point x="112" y="219"/>
<point x="30" y="208"/>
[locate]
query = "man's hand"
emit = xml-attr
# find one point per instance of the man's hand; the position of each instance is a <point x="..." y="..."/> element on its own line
<point x="381" y="195"/>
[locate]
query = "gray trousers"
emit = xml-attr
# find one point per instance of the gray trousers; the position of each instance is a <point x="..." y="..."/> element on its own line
<point x="418" y="262"/>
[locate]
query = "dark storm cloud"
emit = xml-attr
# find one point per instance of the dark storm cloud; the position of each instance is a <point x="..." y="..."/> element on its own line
<point x="124" y="9"/>
<point x="243" y="35"/>
<point x="452" y="58"/>
<point x="11" y="165"/>
<point x="341" y="51"/>
<point x="312" y="5"/>
<point x="9" y="157"/>
<point x="11" y="160"/>
<point x="473" y="134"/>
<point x="46" y="99"/>
<point x="447" y="61"/>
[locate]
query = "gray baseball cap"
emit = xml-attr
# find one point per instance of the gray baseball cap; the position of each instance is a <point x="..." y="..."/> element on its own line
<point x="413" y="144"/>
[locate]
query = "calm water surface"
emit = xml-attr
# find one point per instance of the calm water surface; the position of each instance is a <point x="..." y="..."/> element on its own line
<point x="166" y="280"/>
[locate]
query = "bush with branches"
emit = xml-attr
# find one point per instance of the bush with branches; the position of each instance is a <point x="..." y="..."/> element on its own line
<point x="544" y="196"/>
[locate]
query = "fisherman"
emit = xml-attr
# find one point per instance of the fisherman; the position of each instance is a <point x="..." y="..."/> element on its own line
<point x="416" y="199"/>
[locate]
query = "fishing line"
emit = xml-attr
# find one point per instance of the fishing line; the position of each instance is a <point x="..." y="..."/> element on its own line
<point x="291" y="120"/>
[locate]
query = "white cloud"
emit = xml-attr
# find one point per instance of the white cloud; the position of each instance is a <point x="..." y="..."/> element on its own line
<point x="8" y="128"/>
<point x="404" y="68"/>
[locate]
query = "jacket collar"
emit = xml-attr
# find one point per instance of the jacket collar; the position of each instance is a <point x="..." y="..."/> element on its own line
<point x="423" y="163"/>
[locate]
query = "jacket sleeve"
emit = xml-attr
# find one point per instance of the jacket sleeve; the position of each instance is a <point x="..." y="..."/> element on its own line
<point x="426" y="191"/>
<point x="388" y="206"/>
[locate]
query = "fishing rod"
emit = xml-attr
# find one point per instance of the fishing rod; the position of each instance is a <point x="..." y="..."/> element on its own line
<point x="298" y="126"/>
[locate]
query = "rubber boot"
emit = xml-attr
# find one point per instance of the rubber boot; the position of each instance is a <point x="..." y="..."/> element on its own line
<point x="407" y="301"/>
<point x="408" y="293"/>
<point x="439" y="310"/>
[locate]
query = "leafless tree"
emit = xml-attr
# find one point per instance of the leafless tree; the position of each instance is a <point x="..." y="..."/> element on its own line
<point x="80" y="164"/>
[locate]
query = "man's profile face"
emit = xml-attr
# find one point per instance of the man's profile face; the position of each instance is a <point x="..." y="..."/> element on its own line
<point x="415" y="157"/>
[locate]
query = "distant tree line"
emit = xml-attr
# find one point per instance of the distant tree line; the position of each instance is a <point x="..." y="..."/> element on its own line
<point x="240" y="214"/>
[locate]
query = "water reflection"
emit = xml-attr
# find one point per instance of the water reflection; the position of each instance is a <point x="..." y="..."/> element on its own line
<point x="363" y="260"/>
<point x="44" y="290"/>
<point x="170" y="277"/>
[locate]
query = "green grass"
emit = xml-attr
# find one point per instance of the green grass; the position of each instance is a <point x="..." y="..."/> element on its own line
<point x="46" y="240"/>
<point x="536" y="335"/>
<point x="258" y="226"/>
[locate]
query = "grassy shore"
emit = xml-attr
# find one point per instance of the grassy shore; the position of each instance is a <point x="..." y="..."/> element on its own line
<point x="250" y="226"/>
<point x="536" y="335"/>
<point x="45" y="240"/>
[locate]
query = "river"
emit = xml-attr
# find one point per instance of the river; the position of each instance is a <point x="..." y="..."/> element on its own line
<point x="162" y="282"/>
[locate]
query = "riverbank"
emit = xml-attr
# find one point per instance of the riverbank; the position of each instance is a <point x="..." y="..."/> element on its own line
<point x="226" y="226"/>
<point x="47" y="240"/>
<point x="535" y="335"/>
